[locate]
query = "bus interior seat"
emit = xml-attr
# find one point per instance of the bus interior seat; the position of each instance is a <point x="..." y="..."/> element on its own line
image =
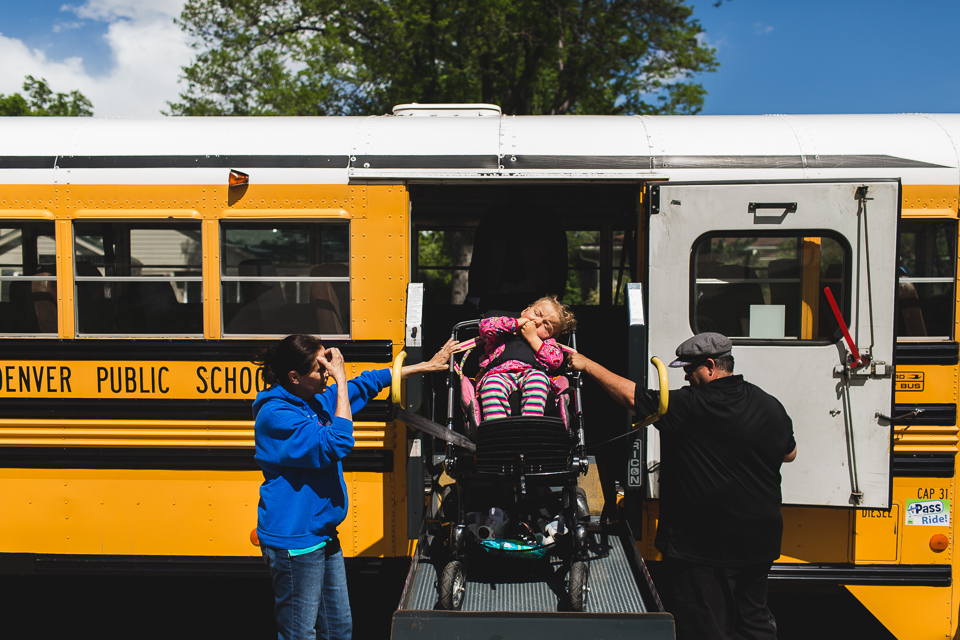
<point x="911" y="314"/>
<point x="162" y="311"/>
<point x="21" y="316"/>
<point x="261" y="302"/>
<point x="826" y="322"/>
<point x="787" y="294"/>
<point x="725" y="307"/>
<point x="94" y="310"/>
<point x="44" y="294"/>
<point x="519" y="255"/>
<point x="325" y="299"/>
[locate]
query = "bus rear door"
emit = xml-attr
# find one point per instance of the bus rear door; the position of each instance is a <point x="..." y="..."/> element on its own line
<point x="753" y="261"/>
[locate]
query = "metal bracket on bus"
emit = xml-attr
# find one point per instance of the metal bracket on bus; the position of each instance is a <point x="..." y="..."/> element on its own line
<point x="912" y="414"/>
<point x="873" y="369"/>
<point x="413" y="343"/>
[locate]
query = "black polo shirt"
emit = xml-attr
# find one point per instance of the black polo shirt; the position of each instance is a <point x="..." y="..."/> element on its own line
<point x="722" y="445"/>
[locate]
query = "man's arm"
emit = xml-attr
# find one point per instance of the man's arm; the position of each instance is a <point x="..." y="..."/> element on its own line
<point x="617" y="387"/>
<point x="790" y="457"/>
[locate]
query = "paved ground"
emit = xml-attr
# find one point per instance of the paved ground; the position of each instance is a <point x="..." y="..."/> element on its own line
<point x="132" y="607"/>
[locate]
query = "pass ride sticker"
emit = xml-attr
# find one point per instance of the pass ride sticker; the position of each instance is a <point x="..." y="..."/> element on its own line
<point x="928" y="512"/>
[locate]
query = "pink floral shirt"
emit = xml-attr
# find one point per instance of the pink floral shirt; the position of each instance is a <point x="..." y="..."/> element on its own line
<point x="492" y="330"/>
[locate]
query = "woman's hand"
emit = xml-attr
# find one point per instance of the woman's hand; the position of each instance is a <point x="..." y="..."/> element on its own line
<point x="331" y="360"/>
<point x="439" y="361"/>
<point x="441" y="358"/>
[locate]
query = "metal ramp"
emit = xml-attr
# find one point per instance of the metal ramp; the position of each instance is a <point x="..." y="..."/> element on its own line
<point x="511" y="598"/>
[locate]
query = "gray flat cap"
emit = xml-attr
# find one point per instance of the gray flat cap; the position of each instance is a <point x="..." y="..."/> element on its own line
<point x="702" y="346"/>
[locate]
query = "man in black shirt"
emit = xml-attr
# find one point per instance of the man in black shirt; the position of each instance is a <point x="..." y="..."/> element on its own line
<point x="722" y="443"/>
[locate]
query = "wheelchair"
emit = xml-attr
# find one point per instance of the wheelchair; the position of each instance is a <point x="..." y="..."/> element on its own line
<point x="516" y="498"/>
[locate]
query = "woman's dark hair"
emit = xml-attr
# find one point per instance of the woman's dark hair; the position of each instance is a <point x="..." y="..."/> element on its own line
<point x="296" y="352"/>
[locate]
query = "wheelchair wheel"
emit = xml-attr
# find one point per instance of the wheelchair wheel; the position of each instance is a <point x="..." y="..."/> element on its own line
<point x="450" y="589"/>
<point x="577" y="586"/>
<point x="583" y="508"/>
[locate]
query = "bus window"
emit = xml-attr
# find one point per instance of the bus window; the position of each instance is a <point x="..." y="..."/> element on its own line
<point x="926" y="269"/>
<point x="285" y="277"/>
<point x="595" y="257"/>
<point x="768" y="287"/>
<point x="138" y="278"/>
<point x="28" y="281"/>
<point x="443" y="257"/>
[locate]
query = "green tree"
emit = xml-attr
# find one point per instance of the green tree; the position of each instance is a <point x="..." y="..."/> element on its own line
<point x="360" y="57"/>
<point x="42" y="101"/>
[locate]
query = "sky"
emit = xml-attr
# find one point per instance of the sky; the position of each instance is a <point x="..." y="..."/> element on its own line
<point x="776" y="56"/>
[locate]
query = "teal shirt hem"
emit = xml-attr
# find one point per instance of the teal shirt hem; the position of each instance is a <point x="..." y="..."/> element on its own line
<point x="303" y="552"/>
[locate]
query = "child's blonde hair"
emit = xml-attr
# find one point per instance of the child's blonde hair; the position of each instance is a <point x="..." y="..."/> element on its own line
<point x="564" y="313"/>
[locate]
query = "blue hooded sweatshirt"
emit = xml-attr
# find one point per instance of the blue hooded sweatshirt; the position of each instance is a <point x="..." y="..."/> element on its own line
<point x="299" y="446"/>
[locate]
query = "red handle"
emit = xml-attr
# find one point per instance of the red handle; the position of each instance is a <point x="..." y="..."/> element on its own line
<point x="857" y="360"/>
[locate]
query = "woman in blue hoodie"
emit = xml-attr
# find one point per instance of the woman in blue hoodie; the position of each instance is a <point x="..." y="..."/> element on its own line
<point x="304" y="429"/>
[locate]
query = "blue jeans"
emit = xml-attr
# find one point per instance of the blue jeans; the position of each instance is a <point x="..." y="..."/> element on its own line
<point x="311" y="593"/>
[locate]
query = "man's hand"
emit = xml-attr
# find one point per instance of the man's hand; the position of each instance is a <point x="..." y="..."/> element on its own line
<point x="617" y="387"/>
<point x="577" y="362"/>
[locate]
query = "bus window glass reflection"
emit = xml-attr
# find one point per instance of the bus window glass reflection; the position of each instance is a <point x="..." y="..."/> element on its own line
<point x="768" y="287"/>
<point x="285" y="277"/>
<point x="139" y="278"/>
<point x="28" y="281"/>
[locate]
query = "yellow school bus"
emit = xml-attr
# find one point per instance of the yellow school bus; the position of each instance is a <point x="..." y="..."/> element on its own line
<point x="141" y="262"/>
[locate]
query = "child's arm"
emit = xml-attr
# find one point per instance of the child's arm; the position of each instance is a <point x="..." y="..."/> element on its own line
<point x="550" y="355"/>
<point x="529" y="332"/>
<point x="492" y="327"/>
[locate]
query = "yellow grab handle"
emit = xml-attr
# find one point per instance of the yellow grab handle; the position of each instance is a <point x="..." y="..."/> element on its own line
<point x="395" y="380"/>
<point x="664" y="394"/>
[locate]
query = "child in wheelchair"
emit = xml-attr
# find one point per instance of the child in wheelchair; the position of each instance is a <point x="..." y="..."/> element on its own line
<point x="518" y="355"/>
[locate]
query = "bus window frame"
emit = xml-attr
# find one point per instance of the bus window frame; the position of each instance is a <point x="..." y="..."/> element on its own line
<point x="331" y="217"/>
<point x="129" y="216"/>
<point x="844" y="301"/>
<point x="37" y="216"/>
<point x="929" y="216"/>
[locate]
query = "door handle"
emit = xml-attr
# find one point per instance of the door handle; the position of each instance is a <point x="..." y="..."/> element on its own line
<point x="787" y="207"/>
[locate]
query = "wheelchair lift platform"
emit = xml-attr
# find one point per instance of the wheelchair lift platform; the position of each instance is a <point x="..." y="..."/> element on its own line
<point x="512" y="598"/>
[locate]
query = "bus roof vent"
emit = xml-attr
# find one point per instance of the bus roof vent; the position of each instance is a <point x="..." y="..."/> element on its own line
<point x="446" y="110"/>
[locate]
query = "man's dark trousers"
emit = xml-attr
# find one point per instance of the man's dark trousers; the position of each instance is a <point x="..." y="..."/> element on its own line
<point x="717" y="603"/>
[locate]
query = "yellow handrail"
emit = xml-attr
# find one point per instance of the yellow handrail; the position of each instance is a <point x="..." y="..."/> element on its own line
<point x="395" y="380"/>
<point x="664" y="395"/>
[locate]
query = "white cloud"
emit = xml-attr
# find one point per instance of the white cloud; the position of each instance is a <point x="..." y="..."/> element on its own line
<point x="147" y="52"/>
<point x="762" y="29"/>
<point x="66" y="26"/>
<point x="112" y="10"/>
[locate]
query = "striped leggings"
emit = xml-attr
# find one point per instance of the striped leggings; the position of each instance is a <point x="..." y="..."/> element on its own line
<point x="496" y="388"/>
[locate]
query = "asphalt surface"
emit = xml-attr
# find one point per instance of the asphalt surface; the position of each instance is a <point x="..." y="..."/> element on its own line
<point x="128" y="607"/>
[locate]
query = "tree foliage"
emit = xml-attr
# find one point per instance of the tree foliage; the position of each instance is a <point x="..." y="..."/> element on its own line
<point x="40" y="100"/>
<point x="360" y="57"/>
